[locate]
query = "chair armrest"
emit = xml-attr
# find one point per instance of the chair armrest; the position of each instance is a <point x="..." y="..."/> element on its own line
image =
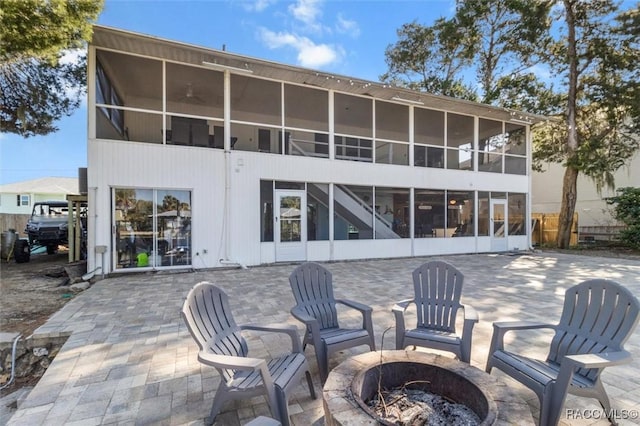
<point x="401" y="306"/>
<point x="290" y="330"/>
<point x="355" y="305"/>
<point x="365" y="310"/>
<point x="302" y="315"/>
<point x="571" y="363"/>
<point x="601" y="360"/>
<point x="521" y="325"/>
<point x="311" y="323"/>
<point x="501" y="328"/>
<point x="232" y="362"/>
<point x="470" y="314"/>
<point x="398" y="312"/>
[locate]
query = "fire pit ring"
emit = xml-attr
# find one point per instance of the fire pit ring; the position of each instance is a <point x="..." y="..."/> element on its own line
<point x="350" y="383"/>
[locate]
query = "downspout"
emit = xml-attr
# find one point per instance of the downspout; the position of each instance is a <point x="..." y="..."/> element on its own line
<point x="227" y="176"/>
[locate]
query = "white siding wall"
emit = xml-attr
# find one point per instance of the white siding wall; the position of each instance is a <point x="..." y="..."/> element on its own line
<point x="202" y="171"/>
<point x="591" y="208"/>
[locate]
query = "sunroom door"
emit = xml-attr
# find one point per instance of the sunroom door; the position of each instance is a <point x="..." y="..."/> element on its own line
<point x="498" y="225"/>
<point x="290" y="225"/>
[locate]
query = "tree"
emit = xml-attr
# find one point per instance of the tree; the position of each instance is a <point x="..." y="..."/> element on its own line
<point x="597" y="57"/>
<point x="37" y="86"/>
<point x="591" y="49"/>
<point x="430" y="59"/>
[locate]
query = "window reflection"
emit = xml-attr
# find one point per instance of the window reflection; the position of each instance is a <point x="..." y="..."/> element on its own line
<point x="353" y="207"/>
<point x="153" y="227"/>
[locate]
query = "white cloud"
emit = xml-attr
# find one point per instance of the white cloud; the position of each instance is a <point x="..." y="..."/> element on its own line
<point x="257" y="5"/>
<point x="347" y="26"/>
<point x="310" y="54"/>
<point x="308" y="12"/>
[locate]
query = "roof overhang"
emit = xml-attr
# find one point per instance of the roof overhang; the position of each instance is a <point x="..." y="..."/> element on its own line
<point x="151" y="46"/>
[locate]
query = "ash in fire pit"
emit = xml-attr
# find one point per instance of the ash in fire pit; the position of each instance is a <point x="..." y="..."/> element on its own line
<point x="356" y="381"/>
<point x="415" y="407"/>
<point x="446" y="394"/>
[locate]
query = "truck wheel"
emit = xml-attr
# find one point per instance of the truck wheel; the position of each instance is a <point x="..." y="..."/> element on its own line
<point x="21" y="251"/>
<point x="51" y="249"/>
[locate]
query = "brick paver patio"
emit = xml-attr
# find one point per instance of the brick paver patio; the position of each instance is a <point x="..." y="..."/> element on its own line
<point x="130" y="359"/>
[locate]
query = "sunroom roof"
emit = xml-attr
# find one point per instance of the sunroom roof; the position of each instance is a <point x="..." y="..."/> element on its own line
<point x="127" y="41"/>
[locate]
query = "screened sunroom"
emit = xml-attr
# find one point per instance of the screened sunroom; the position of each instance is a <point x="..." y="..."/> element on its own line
<point x="201" y="158"/>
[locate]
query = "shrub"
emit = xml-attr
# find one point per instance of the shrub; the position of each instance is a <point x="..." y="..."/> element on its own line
<point x="627" y="210"/>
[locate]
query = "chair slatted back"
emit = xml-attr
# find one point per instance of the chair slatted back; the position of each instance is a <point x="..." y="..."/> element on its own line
<point x="312" y="287"/>
<point x="208" y="316"/>
<point x="437" y="288"/>
<point x="598" y="316"/>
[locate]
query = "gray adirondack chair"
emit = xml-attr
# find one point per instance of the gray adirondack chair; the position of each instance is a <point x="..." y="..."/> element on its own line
<point x="597" y="318"/>
<point x="208" y="316"/>
<point x="312" y="287"/>
<point x="437" y="287"/>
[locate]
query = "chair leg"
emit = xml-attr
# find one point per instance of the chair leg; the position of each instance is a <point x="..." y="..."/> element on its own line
<point x="603" y="399"/>
<point x="323" y="362"/>
<point x="283" y="407"/>
<point x="218" y="400"/>
<point x="312" y="391"/>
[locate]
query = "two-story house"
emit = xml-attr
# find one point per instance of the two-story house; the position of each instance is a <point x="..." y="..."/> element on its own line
<point x="203" y="158"/>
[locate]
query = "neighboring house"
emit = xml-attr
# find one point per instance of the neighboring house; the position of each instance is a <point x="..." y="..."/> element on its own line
<point x="19" y="197"/>
<point x="201" y="158"/>
<point x="591" y="207"/>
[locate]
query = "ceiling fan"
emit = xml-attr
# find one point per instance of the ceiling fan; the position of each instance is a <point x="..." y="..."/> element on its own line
<point x="190" y="97"/>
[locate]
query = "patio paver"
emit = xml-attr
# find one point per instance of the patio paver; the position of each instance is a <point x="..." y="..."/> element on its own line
<point x="130" y="359"/>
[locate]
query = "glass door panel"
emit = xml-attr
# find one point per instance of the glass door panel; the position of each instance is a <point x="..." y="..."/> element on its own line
<point x="290" y="224"/>
<point x="133" y="227"/>
<point x="152" y="228"/>
<point x="173" y="237"/>
<point x="498" y="229"/>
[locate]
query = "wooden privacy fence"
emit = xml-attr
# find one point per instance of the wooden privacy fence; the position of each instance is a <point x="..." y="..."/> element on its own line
<point x="16" y="222"/>
<point x="544" y="229"/>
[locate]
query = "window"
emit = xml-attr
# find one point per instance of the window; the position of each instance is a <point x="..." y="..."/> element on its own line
<point x="517" y="213"/>
<point x="430" y="213"/>
<point x="353" y="207"/>
<point x="460" y="136"/>
<point x="491" y="144"/>
<point x="515" y="160"/>
<point x="153" y="227"/>
<point x="460" y="207"/>
<point x="354" y="149"/>
<point x="24" y="200"/>
<point x="106" y="94"/>
<point x="317" y="212"/>
<point x="392" y="213"/>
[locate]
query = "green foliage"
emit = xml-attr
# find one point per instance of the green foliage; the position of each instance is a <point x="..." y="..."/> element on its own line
<point x="627" y="210"/>
<point x="591" y="50"/>
<point x="430" y="59"/>
<point x="37" y="87"/>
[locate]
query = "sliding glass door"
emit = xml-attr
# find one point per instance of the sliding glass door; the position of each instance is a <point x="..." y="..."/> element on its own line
<point x="152" y="228"/>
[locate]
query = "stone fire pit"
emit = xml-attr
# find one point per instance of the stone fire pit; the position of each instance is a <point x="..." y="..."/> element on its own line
<point x="356" y="378"/>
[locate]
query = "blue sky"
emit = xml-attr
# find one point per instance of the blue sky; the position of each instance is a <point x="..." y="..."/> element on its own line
<point x="346" y="37"/>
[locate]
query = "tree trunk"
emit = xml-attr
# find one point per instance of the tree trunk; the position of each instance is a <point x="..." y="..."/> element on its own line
<point x="568" y="207"/>
<point x="569" y="182"/>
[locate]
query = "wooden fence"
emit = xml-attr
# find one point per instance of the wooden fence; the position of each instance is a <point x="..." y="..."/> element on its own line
<point x="544" y="229"/>
<point x="16" y="222"/>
